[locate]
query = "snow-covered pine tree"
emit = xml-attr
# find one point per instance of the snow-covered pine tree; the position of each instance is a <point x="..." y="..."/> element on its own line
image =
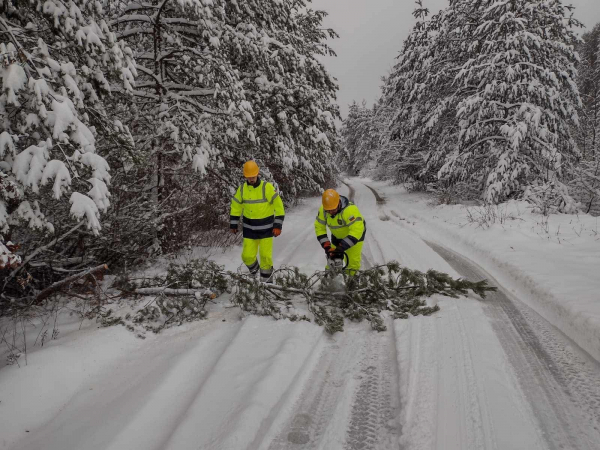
<point x="385" y="155"/>
<point x="219" y="83"/>
<point x="586" y="180"/>
<point x="486" y="96"/>
<point x="188" y="93"/>
<point x="187" y="102"/>
<point x="518" y="98"/>
<point x="419" y="90"/>
<point x="350" y="140"/>
<point x="291" y="93"/>
<point x="361" y="137"/>
<point x="57" y="62"/>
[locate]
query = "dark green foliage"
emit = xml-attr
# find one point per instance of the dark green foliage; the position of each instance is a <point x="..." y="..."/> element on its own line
<point x="388" y="287"/>
<point x="167" y="311"/>
<point x="204" y="278"/>
<point x="106" y="318"/>
<point x="197" y="273"/>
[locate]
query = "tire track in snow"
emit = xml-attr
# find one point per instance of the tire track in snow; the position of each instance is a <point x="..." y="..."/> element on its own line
<point x="372" y="252"/>
<point x="374" y="419"/>
<point x="295" y="244"/>
<point x="453" y="394"/>
<point x="563" y="387"/>
<point x="374" y="422"/>
<point x="124" y="413"/>
<point x="563" y="392"/>
<point x="321" y="403"/>
<point x="248" y="386"/>
<point x="378" y="198"/>
<point x="351" y="398"/>
<point x="562" y="384"/>
<point x="351" y="191"/>
<point x="299" y="241"/>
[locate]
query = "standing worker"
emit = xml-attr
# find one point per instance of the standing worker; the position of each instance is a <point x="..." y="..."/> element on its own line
<point x="263" y="216"/>
<point x="347" y="225"/>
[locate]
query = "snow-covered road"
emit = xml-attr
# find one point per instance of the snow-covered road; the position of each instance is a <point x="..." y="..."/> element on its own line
<point x="488" y="374"/>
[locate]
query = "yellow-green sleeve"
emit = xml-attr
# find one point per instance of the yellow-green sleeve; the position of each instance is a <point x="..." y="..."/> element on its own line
<point x="356" y="222"/>
<point x="321" y="227"/>
<point x="236" y="209"/>
<point x="275" y="199"/>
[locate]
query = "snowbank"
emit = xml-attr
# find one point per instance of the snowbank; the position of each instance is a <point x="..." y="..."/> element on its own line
<point x="551" y="263"/>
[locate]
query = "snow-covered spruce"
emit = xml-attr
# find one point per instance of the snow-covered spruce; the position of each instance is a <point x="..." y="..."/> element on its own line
<point x="57" y="63"/>
<point x="218" y="83"/>
<point x="413" y="91"/>
<point x="487" y="95"/>
<point x="517" y="99"/>
<point x="361" y="138"/>
<point x="586" y="179"/>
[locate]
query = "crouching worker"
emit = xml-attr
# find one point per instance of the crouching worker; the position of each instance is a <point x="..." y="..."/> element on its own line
<point x="347" y="225"/>
<point x="259" y="206"/>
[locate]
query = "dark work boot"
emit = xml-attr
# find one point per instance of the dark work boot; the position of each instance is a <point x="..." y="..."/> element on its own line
<point x="266" y="276"/>
<point x="254" y="269"/>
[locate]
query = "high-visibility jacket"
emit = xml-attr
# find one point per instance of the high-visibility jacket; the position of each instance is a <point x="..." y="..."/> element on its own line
<point x="261" y="207"/>
<point x="348" y="226"/>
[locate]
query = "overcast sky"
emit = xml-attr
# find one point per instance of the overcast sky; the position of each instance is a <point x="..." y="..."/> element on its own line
<point x="371" y="35"/>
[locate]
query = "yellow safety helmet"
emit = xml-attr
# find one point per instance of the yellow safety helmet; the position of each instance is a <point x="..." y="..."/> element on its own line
<point x="250" y="169"/>
<point x="331" y="200"/>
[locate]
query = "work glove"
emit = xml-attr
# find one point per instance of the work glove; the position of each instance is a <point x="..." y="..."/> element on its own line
<point x="327" y="247"/>
<point x="233" y="230"/>
<point x="276" y="231"/>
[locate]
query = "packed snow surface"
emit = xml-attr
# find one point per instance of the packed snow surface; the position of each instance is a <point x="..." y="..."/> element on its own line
<point x="501" y="373"/>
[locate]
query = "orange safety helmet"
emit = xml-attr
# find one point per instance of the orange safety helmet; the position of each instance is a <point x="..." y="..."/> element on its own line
<point x="250" y="169"/>
<point x="331" y="200"/>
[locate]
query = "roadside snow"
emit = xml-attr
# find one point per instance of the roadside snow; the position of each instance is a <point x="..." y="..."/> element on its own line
<point x="551" y="263"/>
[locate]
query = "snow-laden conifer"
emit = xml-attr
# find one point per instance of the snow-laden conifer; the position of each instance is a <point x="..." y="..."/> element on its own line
<point x="361" y="137"/>
<point x="518" y="98"/>
<point x="586" y="179"/>
<point x="217" y="76"/>
<point x="486" y="95"/>
<point x="218" y="83"/>
<point x="416" y="91"/>
<point x="57" y="61"/>
<point x="291" y="93"/>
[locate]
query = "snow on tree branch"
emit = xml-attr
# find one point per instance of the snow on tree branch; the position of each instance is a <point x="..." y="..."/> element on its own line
<point x="58" y="64"/>
<point x="485" y="93"/>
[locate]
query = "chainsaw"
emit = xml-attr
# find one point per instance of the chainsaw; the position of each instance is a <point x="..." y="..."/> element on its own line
<point x="333" y="279"/>
<point x="337" y="262"/>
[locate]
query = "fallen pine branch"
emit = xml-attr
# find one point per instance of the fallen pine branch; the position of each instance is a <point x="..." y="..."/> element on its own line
<point x="42" y="295"/>
<point x="182" y="294"/>
<point x="40" y="250"/>
<point x="171" y="291"/>
<point x="387" y="287"/>
<point x="291" y="290"/>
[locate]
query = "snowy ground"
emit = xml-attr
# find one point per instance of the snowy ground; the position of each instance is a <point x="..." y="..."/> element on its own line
<point x="550" y="262"/>
<point x="504" y="373"/>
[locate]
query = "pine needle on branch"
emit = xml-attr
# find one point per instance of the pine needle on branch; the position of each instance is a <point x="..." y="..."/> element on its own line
<point x="295" y="295"/>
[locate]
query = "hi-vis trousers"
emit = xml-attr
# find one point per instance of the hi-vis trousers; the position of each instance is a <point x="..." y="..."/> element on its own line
<point x="251" y="247"/>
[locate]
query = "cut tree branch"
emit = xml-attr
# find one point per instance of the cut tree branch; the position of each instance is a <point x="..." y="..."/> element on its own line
<point x="62" y="283"/>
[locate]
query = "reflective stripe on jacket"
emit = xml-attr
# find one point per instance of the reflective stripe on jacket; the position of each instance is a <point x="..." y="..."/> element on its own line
<point x="348" y="226"/>
<point x="260" y="209"/>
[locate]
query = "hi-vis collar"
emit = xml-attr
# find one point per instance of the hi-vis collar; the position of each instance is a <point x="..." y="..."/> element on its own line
<point x="260" y="200"/>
